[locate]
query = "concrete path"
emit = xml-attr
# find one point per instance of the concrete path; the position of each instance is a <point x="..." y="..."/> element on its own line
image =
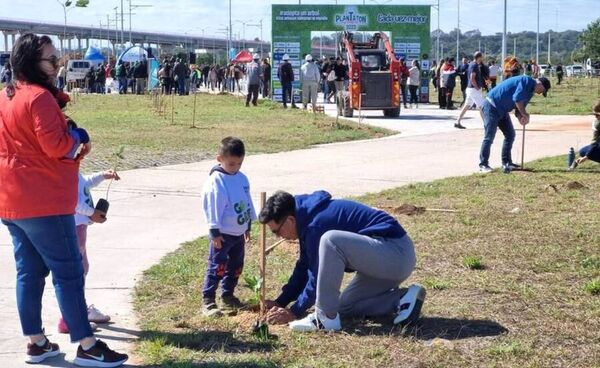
<point x="154" y="210"/>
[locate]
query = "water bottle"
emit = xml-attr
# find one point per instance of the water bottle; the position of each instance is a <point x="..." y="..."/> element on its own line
<point x="570" y="157"/>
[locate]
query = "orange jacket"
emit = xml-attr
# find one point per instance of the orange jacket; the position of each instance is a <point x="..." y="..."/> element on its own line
<point x="35" y="178"/>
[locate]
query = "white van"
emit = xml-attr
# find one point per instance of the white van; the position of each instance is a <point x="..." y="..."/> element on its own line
<point x="574" y="70"/>
<point x="77" y="69"/>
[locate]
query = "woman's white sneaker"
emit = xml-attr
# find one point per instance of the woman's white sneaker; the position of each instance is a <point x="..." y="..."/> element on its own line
<point x="316" y="321"/>
<point x="409" y="306"/>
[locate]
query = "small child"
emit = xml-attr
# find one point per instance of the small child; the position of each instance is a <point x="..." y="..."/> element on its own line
<point x="229" y="213"/>
<point x="591" y="151"/>
<point x="86" y="214"/>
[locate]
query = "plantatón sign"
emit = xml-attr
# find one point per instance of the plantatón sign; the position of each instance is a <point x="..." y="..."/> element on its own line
<point x="407" y="26"/>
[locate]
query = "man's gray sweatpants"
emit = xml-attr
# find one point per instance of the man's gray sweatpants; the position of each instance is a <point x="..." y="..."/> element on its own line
<point x="381" y="264"/>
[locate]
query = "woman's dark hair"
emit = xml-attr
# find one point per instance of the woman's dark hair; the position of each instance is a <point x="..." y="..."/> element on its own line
<point x="25" y="61"/>
<point x="278" y="207"/>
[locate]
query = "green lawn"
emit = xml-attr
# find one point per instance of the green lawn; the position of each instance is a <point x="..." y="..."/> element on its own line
<point x="513" y="280"/>
<point x="575" y="96"/>
<point x="150" y="139"/>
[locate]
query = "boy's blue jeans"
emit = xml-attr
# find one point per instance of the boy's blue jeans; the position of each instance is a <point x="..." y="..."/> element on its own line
<point x="224" y="265"/>
<point x="492" y="121"/>
<point x="43" y="245"/>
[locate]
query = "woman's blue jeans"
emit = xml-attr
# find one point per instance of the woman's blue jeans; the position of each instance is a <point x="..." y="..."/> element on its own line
<point x="43" y="245"/>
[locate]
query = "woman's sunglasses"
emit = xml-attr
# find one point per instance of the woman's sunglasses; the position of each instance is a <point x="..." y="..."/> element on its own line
<point x="52" y="59"/>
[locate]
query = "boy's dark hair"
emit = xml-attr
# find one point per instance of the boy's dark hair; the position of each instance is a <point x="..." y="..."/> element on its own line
<point x="597" y="108"/>
<point x="232" y="146"/>
<point x="477" y="54"/>
<point x="278" y="207"/>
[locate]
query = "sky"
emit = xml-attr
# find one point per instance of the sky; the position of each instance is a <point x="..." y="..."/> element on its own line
<point x="210" y="17"/>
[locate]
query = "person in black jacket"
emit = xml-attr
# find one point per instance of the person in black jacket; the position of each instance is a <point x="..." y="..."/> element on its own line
<point x="285" y="73"/>
<point x="100" y="80"/>
<point x="464" y="78"/>
<point x="266" y="78"/>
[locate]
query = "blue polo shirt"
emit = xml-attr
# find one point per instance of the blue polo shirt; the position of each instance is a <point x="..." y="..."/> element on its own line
<point x="474" y="68"/>
<point x="511" y="91"/>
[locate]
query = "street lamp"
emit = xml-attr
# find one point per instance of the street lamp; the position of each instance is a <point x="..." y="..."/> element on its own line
<point x="243" y="32"/>
<point x="259" y="25"/>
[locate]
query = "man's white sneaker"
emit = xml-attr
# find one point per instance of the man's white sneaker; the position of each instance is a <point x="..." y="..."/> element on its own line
<point x="316" y="321"/>
<point x="485" y="169"/>
<point x="409" y="306"/>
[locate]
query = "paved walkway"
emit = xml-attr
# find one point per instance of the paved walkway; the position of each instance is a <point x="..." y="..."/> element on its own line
<point x="154" y="210"/>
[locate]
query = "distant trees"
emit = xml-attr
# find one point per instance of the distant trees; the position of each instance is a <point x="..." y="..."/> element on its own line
<point x="590" y="40"/>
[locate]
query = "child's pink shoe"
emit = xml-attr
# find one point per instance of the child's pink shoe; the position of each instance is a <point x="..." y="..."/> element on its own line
<point x="64" y="329"/>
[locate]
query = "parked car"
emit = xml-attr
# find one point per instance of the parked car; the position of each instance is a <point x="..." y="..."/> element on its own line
<point x="574" y="70"/>
<point x="546" y="70"/>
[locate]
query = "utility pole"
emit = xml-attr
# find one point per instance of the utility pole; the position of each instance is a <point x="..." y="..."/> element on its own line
<point x="230" y="33"/>
<point x="549" y="32"/>
<point x="437" y="46"/>
<point x="122" y="26"/>
<point x="537" y="35"/>
<point x="458" y="34"/>
<point x="515" y="47"/>
<point x="131" y="8"/>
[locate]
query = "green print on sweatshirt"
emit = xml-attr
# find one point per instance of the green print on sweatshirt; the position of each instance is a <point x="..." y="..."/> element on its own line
<point x="243" y="212"/>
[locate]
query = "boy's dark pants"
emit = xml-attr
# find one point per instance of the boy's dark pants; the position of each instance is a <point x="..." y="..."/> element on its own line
<point x="224" y="265"/>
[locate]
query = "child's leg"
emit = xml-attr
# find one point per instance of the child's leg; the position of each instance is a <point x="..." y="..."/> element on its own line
<point x="82" y="240"/>
<point x="215" y="270"/>
<point x="234" y="266"/>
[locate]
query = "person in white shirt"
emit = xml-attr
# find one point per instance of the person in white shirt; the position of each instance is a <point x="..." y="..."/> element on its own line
<point x="309" y="78"/>
<point x="414" y="80"/>
<point x="494" y="69"/>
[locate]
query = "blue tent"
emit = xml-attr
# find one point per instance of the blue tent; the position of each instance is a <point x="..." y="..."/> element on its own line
<point x="133" y="54"/>
<point x="94" y="54"/>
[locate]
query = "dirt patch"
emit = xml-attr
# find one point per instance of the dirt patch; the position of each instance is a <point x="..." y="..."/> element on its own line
<point x="574" y="185"/>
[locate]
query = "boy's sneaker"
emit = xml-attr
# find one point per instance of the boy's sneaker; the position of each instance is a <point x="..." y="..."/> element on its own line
<point x="231" y="302"/>
<point x="64" y="329"/>
<point x="37" y="354"/>
<point x="316" y="321"/>
<point x="514" y="166"/>
<point x="409" y="306"/>
<point x="94" y="315"/>
<point x="485" y="169"/>
<point x="210" y="308"/>
<point x="99" y="355"/>
<point x="573" y="165"/>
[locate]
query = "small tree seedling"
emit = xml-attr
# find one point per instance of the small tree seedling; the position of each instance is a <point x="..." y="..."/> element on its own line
<point x="473" y="263"/>
<point x="117" y="156"/>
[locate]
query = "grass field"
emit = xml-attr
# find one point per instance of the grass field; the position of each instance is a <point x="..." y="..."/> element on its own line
<point x="513" y="280"/>
<point x="150" y="139"/>
<point x="575" y="96"/>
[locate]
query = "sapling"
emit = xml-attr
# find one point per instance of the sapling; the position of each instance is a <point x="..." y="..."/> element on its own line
<point x="260" y="329"/>
<point x="117" y="156"/>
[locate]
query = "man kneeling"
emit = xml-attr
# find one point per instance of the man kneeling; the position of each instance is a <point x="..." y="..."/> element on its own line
<point x="337" y="236"/>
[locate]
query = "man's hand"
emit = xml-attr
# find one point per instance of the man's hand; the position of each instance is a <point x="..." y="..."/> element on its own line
<point x="111" y="174"/>
<point x="248" y="236"/>
<point x="98" y="217"/>
<point x="524" y="119"/>
<point x="270" y="304"/>
<point x="280" y="316"/>
<point x="218" y="242"/>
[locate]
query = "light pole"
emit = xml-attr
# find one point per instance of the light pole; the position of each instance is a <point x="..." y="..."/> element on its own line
<point x="504" y="36"/>
<point x="243" y="32"/>
<point x="230" y="31"/>
<point x="131" y="8"/>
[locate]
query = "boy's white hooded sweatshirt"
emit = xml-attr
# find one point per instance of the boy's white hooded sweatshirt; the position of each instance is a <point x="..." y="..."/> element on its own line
<point x="227" y="203"/>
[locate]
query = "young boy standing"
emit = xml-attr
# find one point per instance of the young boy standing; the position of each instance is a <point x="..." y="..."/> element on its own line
<point x="229" y="213"/>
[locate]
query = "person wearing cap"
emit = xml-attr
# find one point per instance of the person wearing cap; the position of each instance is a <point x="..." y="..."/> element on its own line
<point x="285" y="73"/>
<point x="309" y="79"/>
<point x="253" y="71"/>
<point x="513" y="93"/>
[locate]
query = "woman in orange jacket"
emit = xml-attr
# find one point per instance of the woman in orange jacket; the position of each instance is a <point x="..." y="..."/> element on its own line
<point x="39" y="162"/>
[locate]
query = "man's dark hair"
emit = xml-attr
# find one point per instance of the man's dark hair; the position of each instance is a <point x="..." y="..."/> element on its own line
<point x="478" y="54"/>
<point x="278" y="207"/>
<point x="232" y="146"/>
<point x="25" y="60"/>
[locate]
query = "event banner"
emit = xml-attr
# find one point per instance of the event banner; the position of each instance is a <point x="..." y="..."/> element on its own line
<point x="295" y="27"/>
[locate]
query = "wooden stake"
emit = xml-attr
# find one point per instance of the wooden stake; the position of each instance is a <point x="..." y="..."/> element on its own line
<point x="523" y="149"/>
<point x="194" y="116"/>
<point x="263" y="257"/>
<point x="172" y="108"/>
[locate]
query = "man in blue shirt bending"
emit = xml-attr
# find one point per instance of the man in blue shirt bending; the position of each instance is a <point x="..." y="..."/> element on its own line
<point x="512" y="93"/>
<point x="338" y="236"/>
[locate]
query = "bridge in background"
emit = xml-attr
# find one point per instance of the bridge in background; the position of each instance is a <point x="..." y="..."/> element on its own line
<point x="82" y="35"/>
